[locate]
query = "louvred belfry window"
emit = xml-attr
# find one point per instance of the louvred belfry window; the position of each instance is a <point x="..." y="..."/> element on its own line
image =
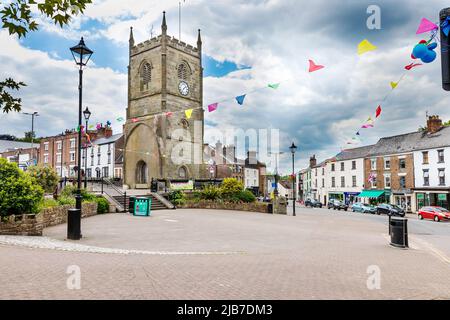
<point x="146" y="76"/>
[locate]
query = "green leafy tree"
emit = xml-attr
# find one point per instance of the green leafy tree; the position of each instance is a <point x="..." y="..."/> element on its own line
<point x="46" y="177"/>
<point x="18" y="18"/>
<point x="19" y="193"/>
<point x="230" y="189"/>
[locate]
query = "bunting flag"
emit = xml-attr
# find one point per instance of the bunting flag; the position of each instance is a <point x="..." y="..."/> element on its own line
<point x="98" y="126"/>
<point x="412" y="65"/>
<point x="358" y="133"/>
<point x="274" y="86"/>
<point x="394" y="85"/>
<point x="365" y="46"/>
<point x="91" y="126"/>
<point x="188" y="113"/>
<point x="240" y="99"/>
<point x="212" y="107"/>
<point x="169" y="114"/>
<point x="426" y="26"/>
<point x="372" y="177"/>
<point x="314" y="67"/>
<point x="134" y="120"/>
<point x="378" y="112"/>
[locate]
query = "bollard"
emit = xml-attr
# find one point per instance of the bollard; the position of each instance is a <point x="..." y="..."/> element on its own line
<point x="74" y="224"/>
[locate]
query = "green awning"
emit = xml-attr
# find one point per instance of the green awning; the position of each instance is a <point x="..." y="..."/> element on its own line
<point x="371" y="194"/>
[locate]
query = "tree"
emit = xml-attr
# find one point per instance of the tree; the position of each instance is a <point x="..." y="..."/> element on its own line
<point x="46" y="177"/>
<point x="17" y="17"/>
<point x="19" y="193"/>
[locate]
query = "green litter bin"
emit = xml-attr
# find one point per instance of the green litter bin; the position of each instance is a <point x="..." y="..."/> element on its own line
<point x="142" y="206"/>
<point x="131" y="204"/>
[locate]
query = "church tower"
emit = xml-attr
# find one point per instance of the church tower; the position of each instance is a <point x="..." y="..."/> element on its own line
<point x="164" y="128"/>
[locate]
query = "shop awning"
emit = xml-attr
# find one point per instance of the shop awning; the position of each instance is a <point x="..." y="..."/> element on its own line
<point x="371" y="194"/>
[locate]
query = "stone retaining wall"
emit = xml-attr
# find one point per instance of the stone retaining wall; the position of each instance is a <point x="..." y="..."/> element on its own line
<point x="204" y="204"/>
<point x="34" y="224"/>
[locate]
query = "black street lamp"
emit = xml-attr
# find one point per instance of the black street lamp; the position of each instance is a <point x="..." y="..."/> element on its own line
<point x="293" y="148"/>
<point x="81" y="54"/>
<point x="87" y="115"/>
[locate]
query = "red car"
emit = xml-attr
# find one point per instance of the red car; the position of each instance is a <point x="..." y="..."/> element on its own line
<point x="434" y="213"/>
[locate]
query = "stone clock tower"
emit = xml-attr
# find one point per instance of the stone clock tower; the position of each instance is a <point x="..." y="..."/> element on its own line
<point x="165" y="78"/>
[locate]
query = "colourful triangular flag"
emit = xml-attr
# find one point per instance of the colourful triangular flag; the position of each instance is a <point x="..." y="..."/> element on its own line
<point x="314" y="67"/>
<point x="412" y="65"/>
<point x="188" y="113"/>
<point x="120" y="119"/>
<point x="240" y="99"/>
<point x="378" y="112"/>
<point x="365" y="46"/>
<point x="274" y="85"/>
<point x="134" y="120"/>
<point x="445" y="26"/>
<point x="394" y="85"/>
<point x="358" y="133"/>
<point x="213" y="107"/>
<point x="426" y="26"/>
<point x="169" y="114"/>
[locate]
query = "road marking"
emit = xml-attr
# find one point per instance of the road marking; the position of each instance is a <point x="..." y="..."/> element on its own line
<point x="169" y="220"/>
<point x="53" y="244"/>
<point x="439" y="254"/>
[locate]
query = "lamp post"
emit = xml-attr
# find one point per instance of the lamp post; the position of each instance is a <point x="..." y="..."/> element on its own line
<point x="34" y="114"/>
<point x="275" y="192"/>
<point x="81" y="54"/>
<point x="293" y="148"/>
<point x="87" y="115"/>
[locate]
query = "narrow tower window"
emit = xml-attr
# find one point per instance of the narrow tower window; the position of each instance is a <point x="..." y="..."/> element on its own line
<point x="146" y="76"/>
<point x="182" y="72"/>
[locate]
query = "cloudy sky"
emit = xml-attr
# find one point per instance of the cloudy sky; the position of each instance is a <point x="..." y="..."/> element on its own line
<point x="247" y="44"/>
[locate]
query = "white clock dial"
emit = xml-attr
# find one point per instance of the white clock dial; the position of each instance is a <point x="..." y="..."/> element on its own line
<point x="183" y="87"/>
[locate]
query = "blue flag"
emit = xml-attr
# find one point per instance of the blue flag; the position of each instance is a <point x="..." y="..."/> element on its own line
<point x="240" y="99"/>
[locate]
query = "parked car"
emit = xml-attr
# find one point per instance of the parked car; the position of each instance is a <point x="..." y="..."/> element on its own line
<point x="390" y="210"/>
<point x="363" y="208"/>
<point x="313" y="203"/>
<point x="337" y="205"/>
<point x="434" y="213"/>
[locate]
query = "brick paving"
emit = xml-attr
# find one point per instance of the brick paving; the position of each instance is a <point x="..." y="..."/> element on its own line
<point x="305" y="257"/>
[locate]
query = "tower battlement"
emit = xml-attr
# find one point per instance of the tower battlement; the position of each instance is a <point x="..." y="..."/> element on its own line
<point x="171" y="41"/>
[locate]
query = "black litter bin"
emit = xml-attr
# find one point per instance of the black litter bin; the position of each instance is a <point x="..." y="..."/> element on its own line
<point x="131" y="204"/>
<point x="270" y="207"/>
<point x="73" y="224"/>
<point x="398" y="228"/>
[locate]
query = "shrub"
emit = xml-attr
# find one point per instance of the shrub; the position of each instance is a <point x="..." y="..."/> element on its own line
<point x="102" y="205"/>
<point x="211" y="193"/>
<point x="231" y="188"/>
<point x="46" y="177"/>
<point x="19" y="193"/>
<point x="64" y="200"/>
<point x="71" y="191"/>
<point x="246" y="196"/>
<point x="177" y="197"/>
<point x="48" y="203"/>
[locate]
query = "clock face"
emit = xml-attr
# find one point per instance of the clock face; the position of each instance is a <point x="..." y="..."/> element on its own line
<point x="184" y="88"/>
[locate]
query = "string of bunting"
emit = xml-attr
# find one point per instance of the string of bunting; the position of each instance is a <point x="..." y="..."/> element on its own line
<point x="425" y="51"/>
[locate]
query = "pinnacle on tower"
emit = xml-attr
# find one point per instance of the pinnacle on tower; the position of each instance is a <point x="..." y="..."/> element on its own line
<point x="131" y="41"/>
<point x="164" y="24"/>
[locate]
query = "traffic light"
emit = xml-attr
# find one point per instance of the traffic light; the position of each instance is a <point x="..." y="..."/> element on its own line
<point x="445" y="51"/>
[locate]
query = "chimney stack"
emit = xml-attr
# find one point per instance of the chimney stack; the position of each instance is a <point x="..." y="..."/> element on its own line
<point x="312" y="161"/>
<point x="434" y="124"/>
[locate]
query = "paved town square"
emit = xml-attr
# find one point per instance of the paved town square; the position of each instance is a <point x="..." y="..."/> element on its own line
<point x="319" y="254"/>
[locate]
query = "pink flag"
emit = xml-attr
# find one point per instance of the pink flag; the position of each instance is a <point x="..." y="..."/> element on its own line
<point x="213" y="107"/>
<point x="314" y="67"/>
<point x="134" y="120"/>
<point x="169" y="114"/>
<point x="426" y="26"/>
<point x="412" y="65"/>
<point x="367" y="126"/>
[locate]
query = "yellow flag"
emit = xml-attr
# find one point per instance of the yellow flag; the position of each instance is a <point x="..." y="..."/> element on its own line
<point x="365" y="46"/>
<point x="394" y="85"/>
<point x="189" y="113"/>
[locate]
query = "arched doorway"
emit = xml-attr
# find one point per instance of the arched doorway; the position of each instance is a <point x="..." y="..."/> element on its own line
<point x="141" y="173"/>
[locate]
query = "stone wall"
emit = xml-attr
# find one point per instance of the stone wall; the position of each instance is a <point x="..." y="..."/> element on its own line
<point x="204" y="204"/>
<point x="34" y="224"/>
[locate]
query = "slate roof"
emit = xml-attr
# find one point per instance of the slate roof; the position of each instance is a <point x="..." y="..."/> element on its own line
<point x="6" y="145"/>
<point x="109" y="140"/>
<point x="355" y="153"/>
<point x="410" y="142"/>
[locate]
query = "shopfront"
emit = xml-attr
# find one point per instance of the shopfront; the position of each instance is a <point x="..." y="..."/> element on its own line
<point x="439" y="198"/>
<point x="403" y="199"/>
<point x="351" y="197"/>
<point x="375" y="197"/>
<point x="336" y="196"/>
